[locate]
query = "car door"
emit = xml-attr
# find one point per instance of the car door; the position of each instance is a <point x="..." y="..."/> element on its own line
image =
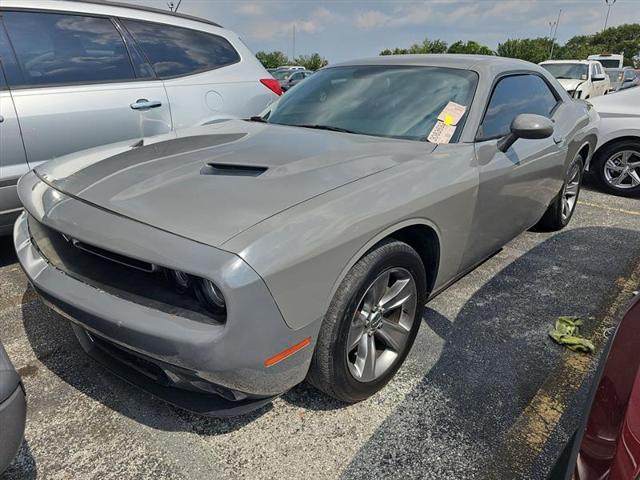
<point x="80" y="84"/>
<point x="515" y="187"/>
<point x="13" y="161"/>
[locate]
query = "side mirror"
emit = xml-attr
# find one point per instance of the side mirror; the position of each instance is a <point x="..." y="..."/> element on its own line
<point x="526" y="125"/>
<point x="598" y="77"/>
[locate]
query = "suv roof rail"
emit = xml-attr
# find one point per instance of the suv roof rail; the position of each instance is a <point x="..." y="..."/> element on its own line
<point x="144" y="8"/>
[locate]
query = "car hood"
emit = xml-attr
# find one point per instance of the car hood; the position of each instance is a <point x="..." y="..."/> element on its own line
<point x="570" y="84"/>
<point x="211" y="183"/>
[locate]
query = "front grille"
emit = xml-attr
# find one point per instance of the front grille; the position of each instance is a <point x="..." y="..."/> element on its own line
<point x="124" y="277"/>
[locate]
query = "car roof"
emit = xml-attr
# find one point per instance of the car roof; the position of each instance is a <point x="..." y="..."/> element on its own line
<point x="109" y="3"/>
<point x="585" y="62"/>
<point x="464" y="62"/>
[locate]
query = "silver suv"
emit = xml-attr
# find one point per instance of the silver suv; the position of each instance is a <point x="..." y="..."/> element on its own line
<point x="74" y="75"/>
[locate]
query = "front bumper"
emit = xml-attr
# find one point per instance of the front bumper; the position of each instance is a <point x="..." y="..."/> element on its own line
<point x="207" y="368"/>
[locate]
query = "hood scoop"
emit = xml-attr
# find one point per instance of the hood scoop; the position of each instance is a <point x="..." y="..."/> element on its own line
<point x="232" y="170"/>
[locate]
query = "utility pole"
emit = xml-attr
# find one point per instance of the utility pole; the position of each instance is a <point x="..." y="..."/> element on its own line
<point x="293" y="51"/>
<point x="609" y="5"/>
<point x="555" y="33"/>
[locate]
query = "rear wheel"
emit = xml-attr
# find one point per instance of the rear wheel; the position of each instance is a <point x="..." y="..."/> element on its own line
<point x="617" y="168"/>
<point x="559" y="213"/>
<point x="371" y="323"/>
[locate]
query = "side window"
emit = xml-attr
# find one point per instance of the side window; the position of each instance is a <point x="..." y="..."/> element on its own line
<point x="175" y="51"/>
<point x="297" y="76"/>
<point x="512" y="96"/>
<point x="8" y="63"/>
<point x="67" y="48"/>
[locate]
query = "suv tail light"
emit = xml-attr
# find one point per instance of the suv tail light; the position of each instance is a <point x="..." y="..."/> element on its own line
<point x="272" y="84"/>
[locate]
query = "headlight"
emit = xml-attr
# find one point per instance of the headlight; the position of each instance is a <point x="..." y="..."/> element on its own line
<point x="211" y="296"/>
<point x="205" y="291"/>
<point x="180" y="280"/>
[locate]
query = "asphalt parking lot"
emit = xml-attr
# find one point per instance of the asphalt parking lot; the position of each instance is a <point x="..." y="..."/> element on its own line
<point x="484" y="394"/>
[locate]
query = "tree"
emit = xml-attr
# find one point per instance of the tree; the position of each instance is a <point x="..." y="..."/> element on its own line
<point x="311" y="62"/>
<point x="272" y="59"/>
<point x="533" y="50"/>
<point x="470" y="47"/>
<point x="427" y="46"/>
<point x="623" y="39"/>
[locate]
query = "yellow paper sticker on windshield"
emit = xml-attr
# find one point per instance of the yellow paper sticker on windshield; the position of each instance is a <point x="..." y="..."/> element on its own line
<point x="452" y="113"/>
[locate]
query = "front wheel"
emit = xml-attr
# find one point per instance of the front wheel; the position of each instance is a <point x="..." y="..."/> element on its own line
<point x="561" y="209"/>
<point x="371" y="323"/>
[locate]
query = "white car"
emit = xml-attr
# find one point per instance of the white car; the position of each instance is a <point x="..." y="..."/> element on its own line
<point x="616" y="161"/>
<point x="76" y="75"/>
<point x="581" y="78"/>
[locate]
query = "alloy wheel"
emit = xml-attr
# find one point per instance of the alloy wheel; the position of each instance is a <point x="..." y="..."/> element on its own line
<point x="381" y="325"/>
<point x="622" y="169"/>
<point x="570" y="192"/>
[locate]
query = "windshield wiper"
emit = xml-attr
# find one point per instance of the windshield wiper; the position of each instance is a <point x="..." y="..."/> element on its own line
<point x="327" y="127"/>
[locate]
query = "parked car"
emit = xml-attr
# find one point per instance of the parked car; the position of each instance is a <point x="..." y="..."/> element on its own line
<point x="286" y="68"/>
<point x="608" y="60"/>
<point x="13" y="411"/>
<point x="616" y="162"/>
<point x="622" y="78"/>
<point x="607" y="444"/>
<point x="243" y="257"/>
<point x="82" y="74"/>
<point x="581" y="78"/>
<point x="294" y="79"/>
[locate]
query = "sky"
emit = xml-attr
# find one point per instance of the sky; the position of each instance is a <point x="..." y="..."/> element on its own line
<point x="344" y="29"/>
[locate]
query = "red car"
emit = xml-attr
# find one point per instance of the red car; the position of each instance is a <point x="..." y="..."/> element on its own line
<point x="608" y="445"/>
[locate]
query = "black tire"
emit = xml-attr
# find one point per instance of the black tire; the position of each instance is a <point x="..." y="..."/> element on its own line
<point x="554" y="219"/>
<point x="329" y="371"/>
<point x="600" y="159"/>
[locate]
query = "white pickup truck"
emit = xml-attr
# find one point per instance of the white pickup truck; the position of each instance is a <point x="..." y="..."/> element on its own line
<point x="581" y="78"/>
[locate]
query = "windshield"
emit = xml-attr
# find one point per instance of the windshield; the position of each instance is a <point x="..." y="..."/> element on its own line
<point x="574" y="71"/>
<point x="609" y="63"/>
<point x="381" y="100"/>
<point x="281" y="75"/>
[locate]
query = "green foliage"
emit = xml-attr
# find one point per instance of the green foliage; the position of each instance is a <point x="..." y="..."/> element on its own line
<point x="470" y="47"/>
<point x="623" y="39"/>
<point x="311" y="62"/>
<point x="533" y="50"/>
<point x="272" y="59"/>
<point x="427" y="46"/>
<point x="277" y="59"/>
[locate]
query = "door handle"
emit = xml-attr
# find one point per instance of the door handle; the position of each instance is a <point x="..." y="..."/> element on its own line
<point x="1" y="119"/>
<point x="144" y="104"/>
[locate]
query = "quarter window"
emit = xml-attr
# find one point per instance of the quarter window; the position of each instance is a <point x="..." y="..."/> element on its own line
<point x="512" y="96"/>
<point x="175" y="51"/>
<point x="67" y="48"/>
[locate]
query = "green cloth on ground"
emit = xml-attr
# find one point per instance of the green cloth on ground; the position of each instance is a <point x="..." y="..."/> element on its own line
<point x="567" y="332"/>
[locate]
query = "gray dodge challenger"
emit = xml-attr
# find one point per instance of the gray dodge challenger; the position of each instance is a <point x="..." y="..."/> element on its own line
<point x="219" y="266"/>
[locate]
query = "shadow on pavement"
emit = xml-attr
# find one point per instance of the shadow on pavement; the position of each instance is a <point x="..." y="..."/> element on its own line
<point x="496" y="355"/>
<point x="23" y="466"/>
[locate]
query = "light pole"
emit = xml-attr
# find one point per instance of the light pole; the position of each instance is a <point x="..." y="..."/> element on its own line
<point x="609" y="5"/>
<point x="554" y="25"/>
